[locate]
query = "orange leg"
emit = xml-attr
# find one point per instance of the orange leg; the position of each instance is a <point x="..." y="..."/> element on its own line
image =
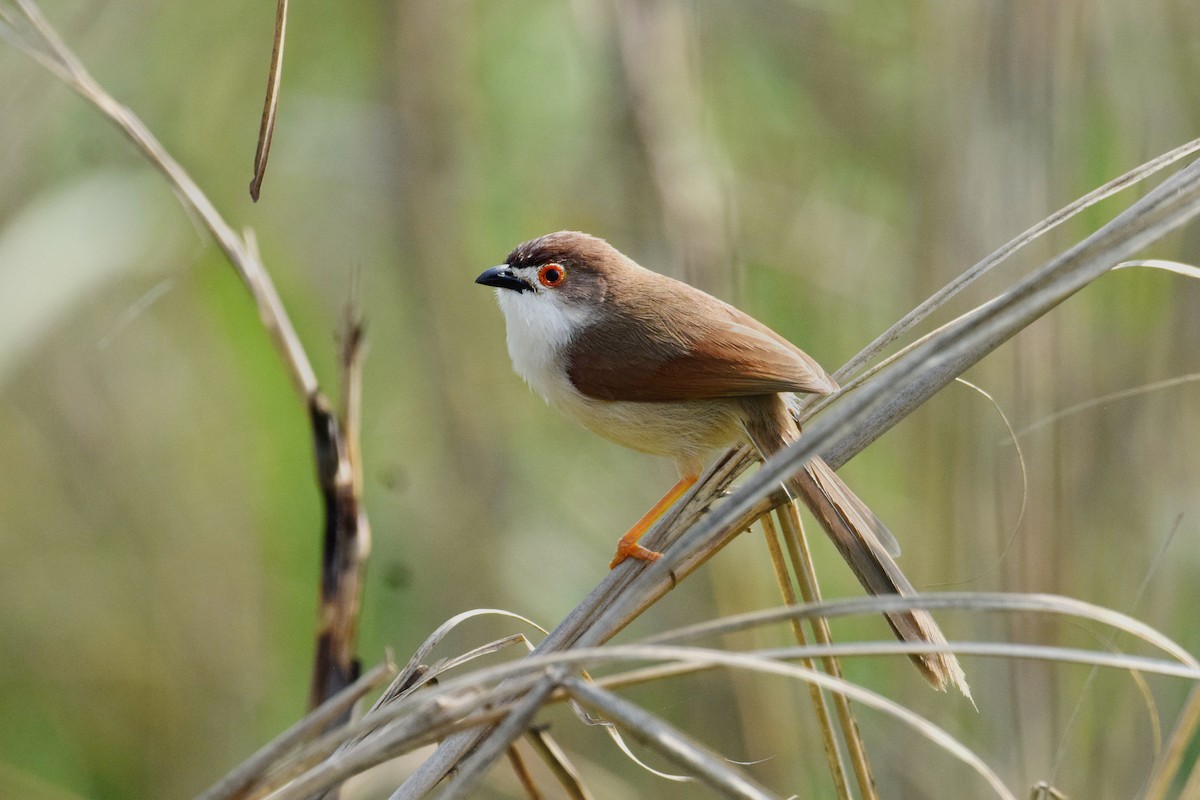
<point x="628" y="546"/>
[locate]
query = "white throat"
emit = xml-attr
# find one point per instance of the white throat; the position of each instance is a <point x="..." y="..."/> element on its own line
<point x="540" y="326"/>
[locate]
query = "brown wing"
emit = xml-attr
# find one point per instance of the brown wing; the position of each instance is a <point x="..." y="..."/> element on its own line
<point x="674" y="342"/>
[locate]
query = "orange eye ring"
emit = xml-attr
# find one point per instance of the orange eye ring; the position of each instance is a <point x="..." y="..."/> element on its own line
<point x="551" y="275"/>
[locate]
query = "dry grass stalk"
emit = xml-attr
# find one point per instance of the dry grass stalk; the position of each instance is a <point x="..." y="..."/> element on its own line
<point x="998" y="256"/>
<point x="824" y="721"/>
<point x="1170" y="763"/>
<point x="347" y="538"/>
<point x="486" y="694"/>
<point x="345" y="529"/>
<point x="856" y="421"/>
<point x="266" y="128"/>
<point x="566" y="773"/>
<point x="238" y="781"/>
<point x="810" y="591"/>
<point x="524" y="776"/>
<point x="847" y="427"/>
<point x="553" y="670"/>
<point x="651" y="731"/>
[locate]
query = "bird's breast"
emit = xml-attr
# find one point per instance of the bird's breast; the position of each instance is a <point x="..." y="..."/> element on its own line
<point x="539" y="331"/>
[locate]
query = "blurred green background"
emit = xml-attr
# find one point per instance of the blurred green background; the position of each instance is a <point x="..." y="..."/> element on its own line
<point x="824" y="165"/>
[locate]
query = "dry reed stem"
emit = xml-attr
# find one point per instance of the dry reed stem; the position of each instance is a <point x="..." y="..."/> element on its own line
<point x="347" y="539"/>
<point x="708" y="767"/>
<point x="856" y="421"/>
<point x="345" y="530"/>
<point x="62" y="62"/>
<point x="824" y="721"/>
<point x="810" y="590"/>
<point x="234" y="783"/>
<point x="524" y="777"/>
<point x="266" y="128"/>
<point x="566" y="773"/>
<point x="408" y="731"/>
<point x="1171" y="761"/>
<point x="765" y="662"/>
<point x="996" y="257"/>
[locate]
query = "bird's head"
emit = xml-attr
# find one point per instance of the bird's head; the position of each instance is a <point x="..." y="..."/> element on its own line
<point x="566" y="271"/>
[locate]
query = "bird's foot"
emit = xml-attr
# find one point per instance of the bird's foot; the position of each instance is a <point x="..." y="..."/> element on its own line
<point x="628" y="549"/>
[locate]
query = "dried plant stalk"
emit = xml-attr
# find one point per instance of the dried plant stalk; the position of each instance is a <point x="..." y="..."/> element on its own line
<point x="810" y="590"/>
<point x="266" y="128"/>
<point x="346" y="539"/>
<point x="824" y="721"/>
<point x="854" y="422"/>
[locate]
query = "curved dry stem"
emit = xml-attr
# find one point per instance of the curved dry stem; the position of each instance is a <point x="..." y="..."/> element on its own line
<point x="859" y="419"/>
<point x="766" y="662"/>
<point x="967" y="601"/>
<point x="52" y="53"/>
<point x="253" y="769"/>
<point x="465" y="693"/>
<point x="708" y="767"/>
<point x="939" y="298"/>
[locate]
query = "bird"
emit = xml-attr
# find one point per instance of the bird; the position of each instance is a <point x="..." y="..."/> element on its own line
<point x="659" y="366"/>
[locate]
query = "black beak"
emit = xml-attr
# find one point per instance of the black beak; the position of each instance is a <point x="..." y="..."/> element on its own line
<point x="502" y="277"/>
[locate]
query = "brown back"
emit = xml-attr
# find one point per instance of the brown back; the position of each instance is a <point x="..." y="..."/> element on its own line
<point x="663" y="340"/>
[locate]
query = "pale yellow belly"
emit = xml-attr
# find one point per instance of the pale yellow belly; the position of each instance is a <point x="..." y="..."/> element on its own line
<point x="685" y="431"/>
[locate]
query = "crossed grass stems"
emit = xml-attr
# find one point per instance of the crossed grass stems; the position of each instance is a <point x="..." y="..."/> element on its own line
<point x="477" y="716"/>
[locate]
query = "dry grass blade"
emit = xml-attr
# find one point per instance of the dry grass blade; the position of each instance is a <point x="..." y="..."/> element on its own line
<point x="424" y="729"/>
<point x="347" y="533"/>
<point x="460" y="702"/>
<point x="408" y="679"/>
<point x="235" y="782"/>
<point x="266" y="129"/>
<point x="568" y="777"/>
<point x="939" y="298"/>
<point x="708" y="767"/>
<point x="1025" y="652"/>
<point x="1016" y="526"/>
<point x="1028" y="652"/>
<point x="699" y="658"/>
<point x="857" y="420"/>
<point x="1097" y="402"/>
<point x="59" y="60"/>
<point x="973" y="601"/>
<point x="1186" y="270"/>
<point x="865" y="415"/>
<point x="399" y="727"/>
<point x="766" y="664"/>
<point x="816" y="405"/>
<point x="516" y="722"/>
<point x="1169" y="764"/>
<point x="1110" y="642"/>
<point x="524" y="776"/>
<point x="15" y="31"/>
<point x="824" y="721"/>
<point x="445" y="665"/>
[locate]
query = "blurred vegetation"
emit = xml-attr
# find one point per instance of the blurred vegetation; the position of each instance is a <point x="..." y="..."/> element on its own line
<point x="824" y="165"/>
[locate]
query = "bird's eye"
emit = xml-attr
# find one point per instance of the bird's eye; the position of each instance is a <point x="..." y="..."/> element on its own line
<point x="551" y="275"/>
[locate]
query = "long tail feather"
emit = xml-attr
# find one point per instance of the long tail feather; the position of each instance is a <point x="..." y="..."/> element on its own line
<point x="858" y="539"/>
<point x="865" y="542"/>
